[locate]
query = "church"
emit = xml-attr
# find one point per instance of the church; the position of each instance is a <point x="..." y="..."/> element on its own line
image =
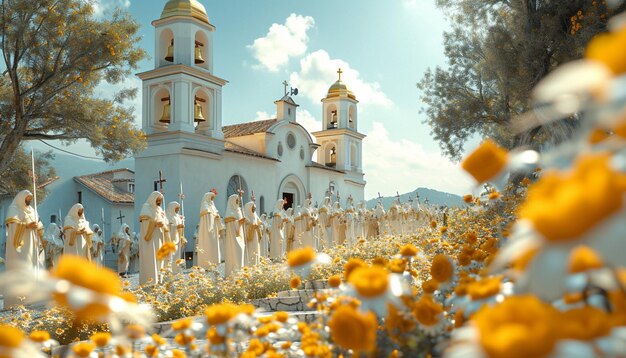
<point x="189" y="148"/>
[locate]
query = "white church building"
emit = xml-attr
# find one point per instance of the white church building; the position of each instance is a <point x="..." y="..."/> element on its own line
<point x="275" y="158"/>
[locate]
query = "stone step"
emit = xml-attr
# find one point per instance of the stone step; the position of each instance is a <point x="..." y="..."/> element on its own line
<point x="302" y="293"/>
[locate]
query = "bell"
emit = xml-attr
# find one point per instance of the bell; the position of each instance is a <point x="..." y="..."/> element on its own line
<point x="333" y="156"/>
<point x="170" y="52"/>
<point x="197" y="112"/>
<point x="199" y="58"/>
<point x="165" y="118"/>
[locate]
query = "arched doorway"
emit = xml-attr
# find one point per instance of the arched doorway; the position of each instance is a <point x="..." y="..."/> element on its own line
<point x="292" y="189"/>
<point x="236" y="182"/>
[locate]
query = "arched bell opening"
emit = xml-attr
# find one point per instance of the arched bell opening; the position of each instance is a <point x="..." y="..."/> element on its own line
<point x="201" y="50"/>
<point x="166" y="48"/>
<point x="162" y="108"/>
<point x="332" y="117"/>
<point x="202" y="115"/>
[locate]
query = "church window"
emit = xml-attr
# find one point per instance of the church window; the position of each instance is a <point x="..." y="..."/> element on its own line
<point x="280" y="149"/>
<point x="291" y="140"/>
<point x="235" y="183"/>
<point x="289" y="111"/>
<point x="131" y="188"/>
<point x="261" y="205"/>
<point x="53" y="218"/>
<point x="302" y="153"/>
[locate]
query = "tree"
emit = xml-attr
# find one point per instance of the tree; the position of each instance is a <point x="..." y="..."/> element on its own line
<point x="497" y="51"/>
<point x="11" y="184"/>
<point x="55" y="53"/>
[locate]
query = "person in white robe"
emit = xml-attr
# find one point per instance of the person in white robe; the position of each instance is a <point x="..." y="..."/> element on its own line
<point x="276" y="235"/>
<point x="54" y="245"/>
<point x="299" y="228"/>
<point x="308" y="223"/>
<point x="78" y="234"/>
<point x="133" y="265"/>
<point x="208" y="242"/>
<point x="360" y="226"/>
<point x="324" y="223"/>
<point x="234" y="241"/>
<point x="122" y="242"/>
<point x="152" y="235"/>
<point x="350" y="218"/>
<point x="265" y="236"/>
<point x="395" y="219"/>
<point x="253" y="234"/>
<point x="97" y="247"/>
<point x="377" y="225"/>
<point x="289" y="230"/>
<point x="177" y="235"/>
<point x="24" y="239"/>
<point x="338" y="228"/>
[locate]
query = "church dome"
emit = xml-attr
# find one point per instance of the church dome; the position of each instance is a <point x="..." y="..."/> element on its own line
<point x="191" y="8"/>
<point x="339" y="89"/>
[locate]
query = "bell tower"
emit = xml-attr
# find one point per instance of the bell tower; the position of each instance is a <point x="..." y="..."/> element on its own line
<point x="181" y="95"/>
<point x="339" y="140"/>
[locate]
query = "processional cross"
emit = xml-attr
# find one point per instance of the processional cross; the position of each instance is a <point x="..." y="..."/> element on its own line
<point x="159" y="182"/>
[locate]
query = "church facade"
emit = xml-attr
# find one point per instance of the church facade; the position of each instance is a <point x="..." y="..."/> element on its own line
<point x="190" y="148"/>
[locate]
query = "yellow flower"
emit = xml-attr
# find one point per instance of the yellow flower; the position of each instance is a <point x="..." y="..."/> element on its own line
<point x="158" y="340"/>
<point x="471" y="238"/>
<point x="352" y="264"/>
<point x="370" y="282"/>
<point x="486" y="162"/>
<point x="151" y="350"/>
<point x="301" y="256"/>
<point x="430" y="286"/>
<point x="220" y="313"/>
<point x="426" y="311"/>
<point x="519" y="327"/>
<point x="469" y="198"/>
<point x="598" y="135"/>
<point x="39" y="336"/>
<point x="177" y="353"/>
<point x="135" y="331"/>
<point x="484" y="288"/>
<point x="583" y="258"/>
<point x="563" y="206"/>
<point x="494" y="195"/>
<point x="281" y="316"/>
<point x="81" y="272"/>
<point x="182" y="324"/>
<point x="83" y="349"/>
<point x="441" y="269"/>
<point x="295" y="282"/>
<point x="334" y="281"/>
<point x="408" y="250"/>
<point x="608" y="48"/>
<point x="165" y="251"/>
<point x="585" y="323"/>
<point x="351" y="329"/>
<point x="101" y="339"/>
<point x="10" y="337"/>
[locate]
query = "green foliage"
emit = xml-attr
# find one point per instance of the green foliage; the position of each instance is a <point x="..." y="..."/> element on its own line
<point x="497" y="51"/>
<point x="16" y="176"/>
<point x="55" y="54"/>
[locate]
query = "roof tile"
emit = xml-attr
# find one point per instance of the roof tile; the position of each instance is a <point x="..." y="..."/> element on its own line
<point x="102" y="184"/>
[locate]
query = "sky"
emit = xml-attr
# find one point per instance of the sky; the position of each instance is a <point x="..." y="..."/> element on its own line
<point x="383" y="47"/>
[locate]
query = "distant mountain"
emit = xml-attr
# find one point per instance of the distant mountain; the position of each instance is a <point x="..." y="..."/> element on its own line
<point x="69" y="166"/>
<point x="434" y="197"/>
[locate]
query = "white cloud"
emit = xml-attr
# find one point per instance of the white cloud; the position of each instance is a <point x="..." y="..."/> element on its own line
<point x="409" y="3"/>
<point x="308" y="121"/>
<point x="318" y="72"/>
<point x="392" y="164"/>
<point x="262" y="115"/>
<point x="282" y="42"/>
<point x="104" y="7"/>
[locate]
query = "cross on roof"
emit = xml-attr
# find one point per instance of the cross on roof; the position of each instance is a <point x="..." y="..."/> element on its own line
<point x="339" y="71"/>
<point x="285" y="84"/>
<point x="121" y="218"/>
